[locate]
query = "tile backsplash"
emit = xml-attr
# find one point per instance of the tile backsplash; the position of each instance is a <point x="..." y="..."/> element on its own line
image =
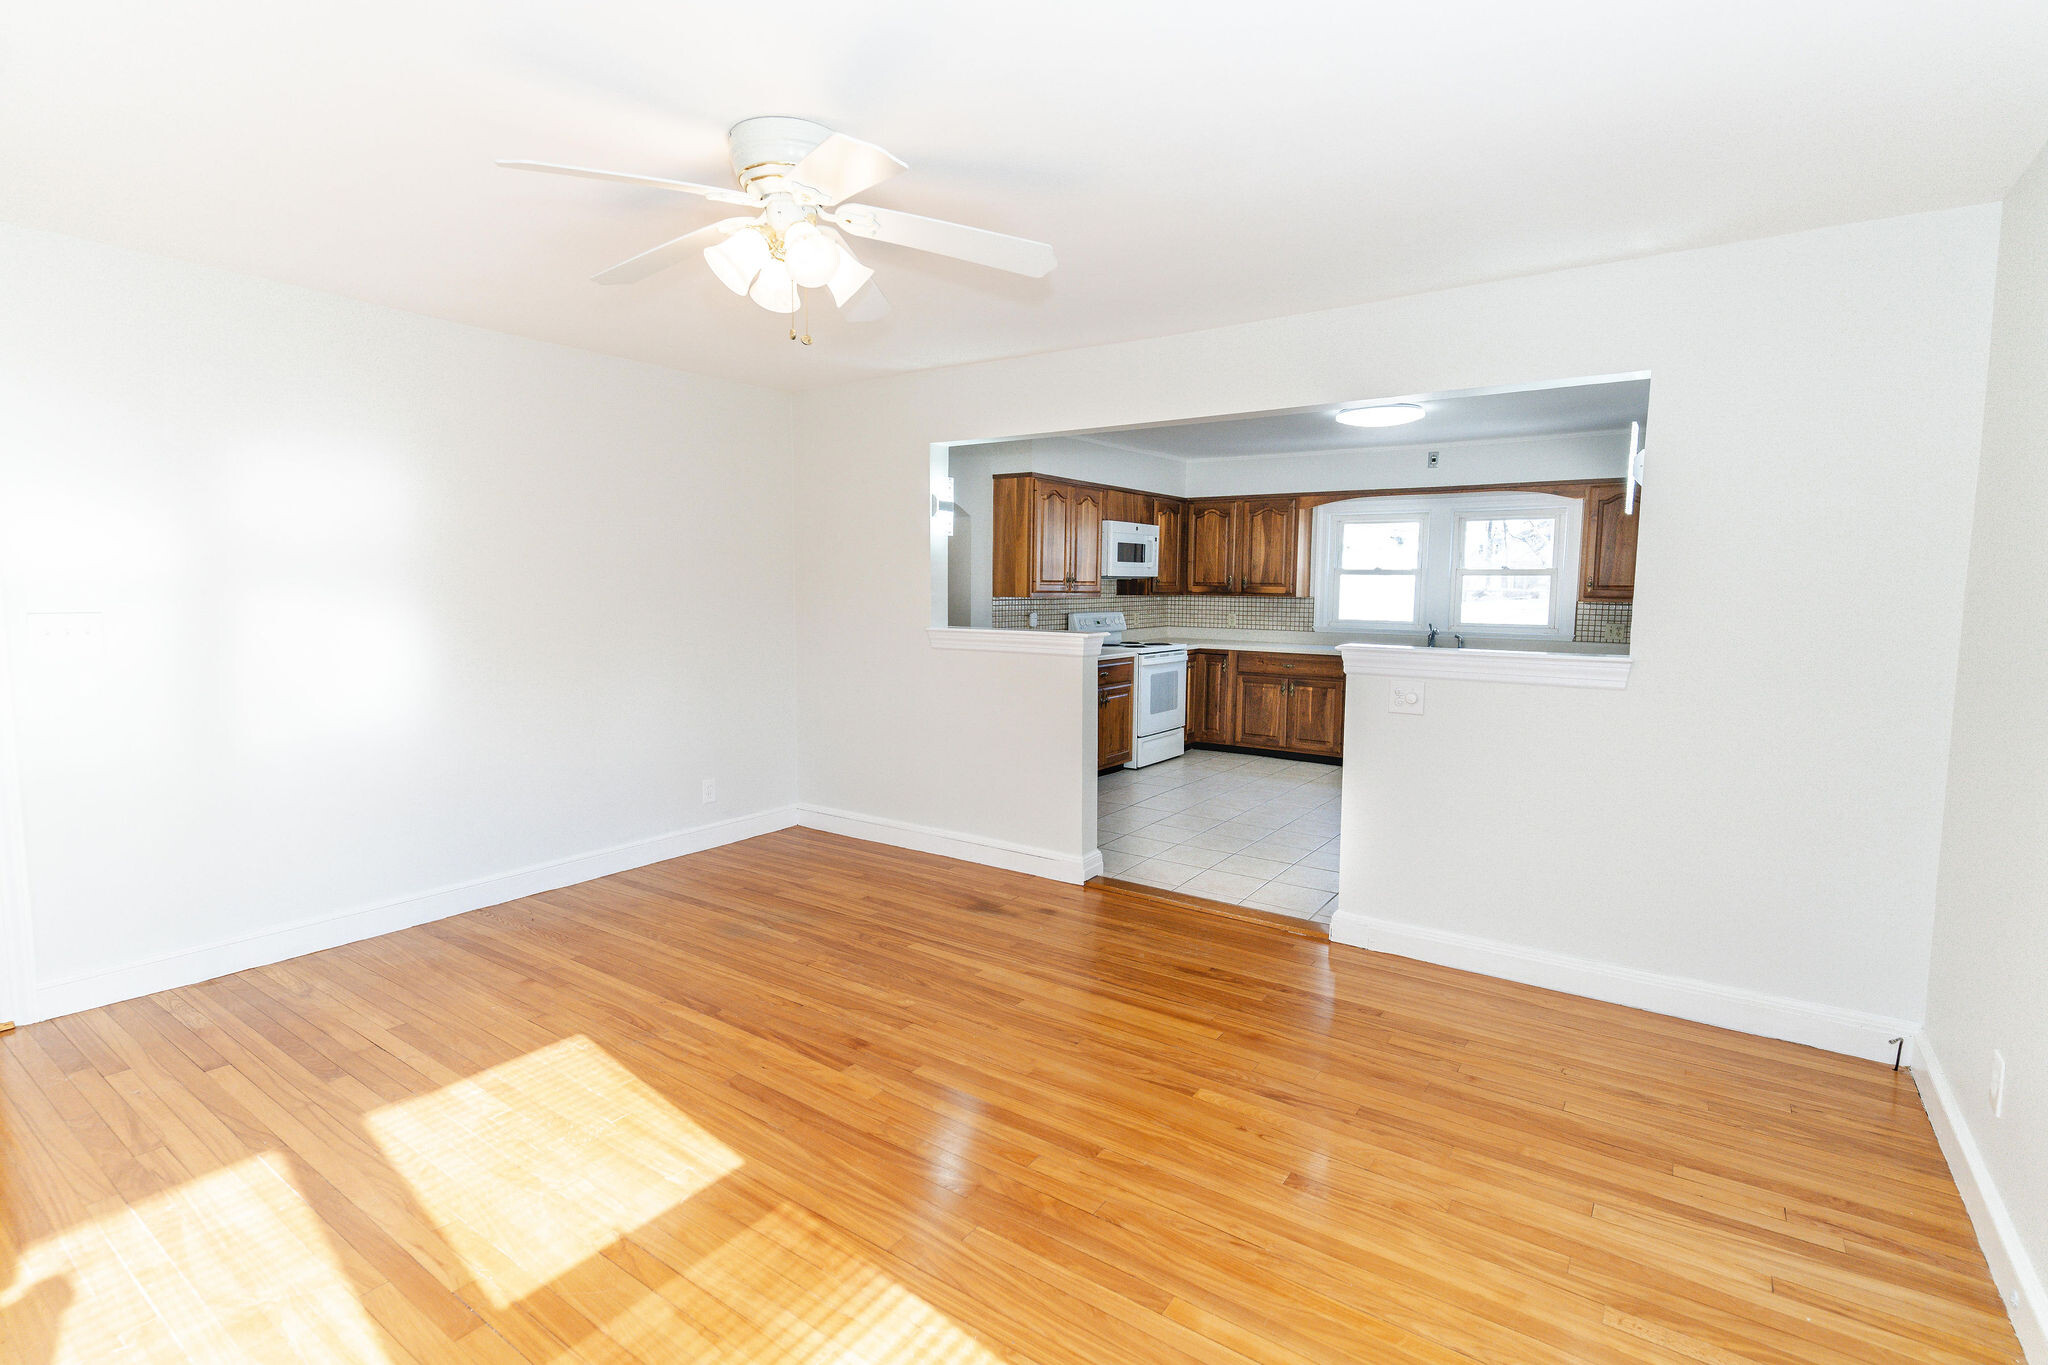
<point x="1161" y="613"/>
<point x="1598" y="622"/>
<point x="1603" y="623"/>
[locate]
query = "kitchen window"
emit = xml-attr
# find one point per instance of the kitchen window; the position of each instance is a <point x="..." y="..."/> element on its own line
<point x="1496" y="565"/>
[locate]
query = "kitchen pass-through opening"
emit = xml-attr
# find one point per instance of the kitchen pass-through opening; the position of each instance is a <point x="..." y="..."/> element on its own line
<point x="1225" y="560"/>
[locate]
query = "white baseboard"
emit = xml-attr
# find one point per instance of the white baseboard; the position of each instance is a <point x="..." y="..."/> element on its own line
<point x="2026" y="1299"/>
<point x="972" y="848"/>
<point x="91" y="990"/>
<point x="1771" y="1016"/>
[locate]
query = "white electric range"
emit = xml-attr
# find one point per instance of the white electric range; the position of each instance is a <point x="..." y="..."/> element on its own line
<point x="1159" y="691"/>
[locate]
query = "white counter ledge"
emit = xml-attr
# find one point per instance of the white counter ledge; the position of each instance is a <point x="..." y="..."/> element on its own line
<point x="1475" y="663"/>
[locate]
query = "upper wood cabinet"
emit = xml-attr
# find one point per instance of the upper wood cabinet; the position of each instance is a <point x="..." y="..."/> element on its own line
<point x="1084" y="537"/>
<point x="1124" y="504"/>
<point x="1271" y="553"/>
<point x="1609" y="553"/>
<point x="1171" y="516"/>
<point x="1246" y="545"/>
<point x="1048" y="536"/>
<point x="1212" y="545"/>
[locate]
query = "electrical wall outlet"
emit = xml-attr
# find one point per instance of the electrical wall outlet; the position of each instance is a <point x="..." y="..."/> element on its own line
<point x="1407" y="699"/>
<point x="710" y="790"/>
<point x="1997" y="1084"/>
<point x="1034" y="620"/>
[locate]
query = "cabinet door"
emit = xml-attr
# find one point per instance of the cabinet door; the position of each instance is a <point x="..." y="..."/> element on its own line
<point x="1271" y="547"/>
<point x="1125" y="504"/>
<point x="1212" y="546"/>
<point x="1114" y="716"/>
<point x="1610" y="554"/>
<point x="1315" y="715"/>
<point x="1262" y="712"/>
<point x="1209" y="698"/>
<point x="1171" y="516"/>
<point x="1052" y="534"/>
<point x="1084" y="559"/>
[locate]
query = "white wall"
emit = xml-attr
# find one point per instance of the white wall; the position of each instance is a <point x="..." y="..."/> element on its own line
<point x="1989" y="988"/>
<point x="386" y="605"/>
<point x="1759" y="808"/>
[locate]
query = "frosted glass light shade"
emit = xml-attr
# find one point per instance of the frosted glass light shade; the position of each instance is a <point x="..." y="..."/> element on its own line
<point x="849" y="279"/>
<point x="773" y="289"/>
<point x="737" y="259"/>
<point x="810" y="254"/>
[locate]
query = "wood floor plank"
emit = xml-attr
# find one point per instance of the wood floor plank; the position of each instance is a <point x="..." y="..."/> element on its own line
<point x="805" y="1098"/>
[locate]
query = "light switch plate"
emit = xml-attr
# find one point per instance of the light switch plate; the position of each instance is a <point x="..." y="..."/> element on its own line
<point x="1407" y="698"/>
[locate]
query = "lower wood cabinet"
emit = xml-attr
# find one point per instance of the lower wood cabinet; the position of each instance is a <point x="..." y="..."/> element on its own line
<point x="1115" y="714"/>
<point x="1261" y="699"/>
<point x="1210" y="680"/>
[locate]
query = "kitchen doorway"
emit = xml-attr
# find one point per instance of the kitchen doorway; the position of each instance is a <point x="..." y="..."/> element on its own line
<point x="1255" y="830"/>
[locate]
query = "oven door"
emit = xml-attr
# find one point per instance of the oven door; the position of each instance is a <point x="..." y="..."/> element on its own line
<point x="1162" y="693"/>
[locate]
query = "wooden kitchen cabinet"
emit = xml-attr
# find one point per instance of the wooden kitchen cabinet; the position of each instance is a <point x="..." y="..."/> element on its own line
<point x="1609" y="553"/>
<point x="1170" y="515"/>
<point x="1209" y="697"/>
<point x="1126" y="504"/>
<point x="1246" y="546"/>
<point x="1270" y="547"/>
<point x="1115" y="714"/>
<point x="1315" y="716"/>
<point x="1048" y="537"/>
<point x="1212" y="545"/>
<point x="1262" y="712"/>
<point x="1290" y="703"/>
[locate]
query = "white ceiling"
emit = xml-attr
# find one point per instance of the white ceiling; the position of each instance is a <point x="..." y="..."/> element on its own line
<point x="1549" y="411"/>
<point x="1195" y="164"/>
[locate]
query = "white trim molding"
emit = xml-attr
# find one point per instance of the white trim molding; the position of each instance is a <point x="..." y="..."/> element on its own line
<point x="71" y="994"/>
<point x="1829" y="1027"/>
<point x="1081" y="644"/>
<point x="1479" y="664"/>
<point x="2012" y="1269"/>
<point x="970" y="848"/>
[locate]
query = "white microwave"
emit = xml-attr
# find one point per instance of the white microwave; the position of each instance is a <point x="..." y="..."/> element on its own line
<point x="1130" y="549"/>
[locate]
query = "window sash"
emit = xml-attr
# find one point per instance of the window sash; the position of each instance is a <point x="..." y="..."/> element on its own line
<point x="1420" y="573"/>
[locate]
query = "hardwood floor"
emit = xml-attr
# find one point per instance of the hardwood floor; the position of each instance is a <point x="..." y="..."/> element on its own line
<point x="808" y="1099"/>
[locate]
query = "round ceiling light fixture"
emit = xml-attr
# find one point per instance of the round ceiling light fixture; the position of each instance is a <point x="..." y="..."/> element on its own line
<point x="1382" y="415"/>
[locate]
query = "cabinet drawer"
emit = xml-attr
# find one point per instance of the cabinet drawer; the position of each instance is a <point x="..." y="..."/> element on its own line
<point x="1291" y="665"/>
<point x="1119" y="671"/>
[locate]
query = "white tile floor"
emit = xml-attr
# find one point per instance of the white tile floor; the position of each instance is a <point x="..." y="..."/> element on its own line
<point x="1240" y="828"/>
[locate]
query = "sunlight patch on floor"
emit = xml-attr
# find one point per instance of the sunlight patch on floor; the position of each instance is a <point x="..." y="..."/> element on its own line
<point x="231" y="1266"/>
<point x="789" y="1290"/>
<point x="539" y="1163"/>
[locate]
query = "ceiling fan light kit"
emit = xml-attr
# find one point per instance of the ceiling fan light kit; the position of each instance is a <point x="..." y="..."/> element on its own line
<point x="797" y="175"/>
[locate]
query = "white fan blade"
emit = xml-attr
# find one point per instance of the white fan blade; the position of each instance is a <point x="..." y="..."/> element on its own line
<point x="841" y="167"/>
<point x="668" y="253"/>
<point x="1018" y="255"/>
<point x="867" y="305"/>
<point x="711" y="192"/>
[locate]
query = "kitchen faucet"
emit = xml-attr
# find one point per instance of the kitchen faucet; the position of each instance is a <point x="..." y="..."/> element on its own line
<point x="1432" y="636"/>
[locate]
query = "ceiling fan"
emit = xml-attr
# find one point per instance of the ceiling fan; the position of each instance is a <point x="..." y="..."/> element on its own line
<point x="795" y="177"/>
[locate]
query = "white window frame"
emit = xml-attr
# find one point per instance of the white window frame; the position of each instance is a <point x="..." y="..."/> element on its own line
<point x="1443" y="516"/>
<point x="1327" y="595"/>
